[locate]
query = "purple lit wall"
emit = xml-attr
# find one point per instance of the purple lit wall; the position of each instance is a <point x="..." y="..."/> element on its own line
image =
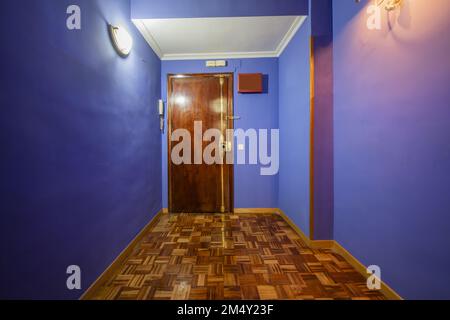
<point x="392" y="143"/>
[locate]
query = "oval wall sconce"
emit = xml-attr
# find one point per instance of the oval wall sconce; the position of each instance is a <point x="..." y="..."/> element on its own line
<point x="121" y="39"/>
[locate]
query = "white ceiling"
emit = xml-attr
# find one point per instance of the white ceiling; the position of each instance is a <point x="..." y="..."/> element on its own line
<point x="210" y="38"/>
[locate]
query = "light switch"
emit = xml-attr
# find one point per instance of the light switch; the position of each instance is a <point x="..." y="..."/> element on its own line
<point x="241" y="147"/>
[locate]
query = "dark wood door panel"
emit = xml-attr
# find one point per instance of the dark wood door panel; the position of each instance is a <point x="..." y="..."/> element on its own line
<point x="207" y="99"/>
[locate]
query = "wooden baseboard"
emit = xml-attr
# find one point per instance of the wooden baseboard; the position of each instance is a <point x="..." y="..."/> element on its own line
<point x="314" y="244"/>
<point x="299" y="232"/>
<point x="113" y="267"/>
<point x="362" y="269"/>
<point x="336" y="247"/>
<point x="321" y="244"/>
<point x="245" y="210"/>
<point x="255" y="210"/>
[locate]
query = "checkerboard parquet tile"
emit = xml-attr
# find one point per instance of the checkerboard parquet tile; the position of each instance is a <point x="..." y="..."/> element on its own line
<point x="238" y="256"/>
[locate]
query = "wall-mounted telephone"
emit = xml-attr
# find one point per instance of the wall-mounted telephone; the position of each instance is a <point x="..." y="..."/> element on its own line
<point x="161" y="114"/>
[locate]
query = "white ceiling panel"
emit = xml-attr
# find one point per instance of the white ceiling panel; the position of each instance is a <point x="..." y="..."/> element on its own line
<point x="203" y="38"/>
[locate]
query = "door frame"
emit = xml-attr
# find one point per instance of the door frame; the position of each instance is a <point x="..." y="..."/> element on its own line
<point x="230" y="125"/>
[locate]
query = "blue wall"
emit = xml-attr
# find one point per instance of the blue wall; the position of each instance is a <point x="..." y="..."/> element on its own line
<point x="80" y="160"/>
<point x="160" y="9"/>
<point x="258" y="111"/>
<point x="294" y="122"/>
<point x="391" y="143"/>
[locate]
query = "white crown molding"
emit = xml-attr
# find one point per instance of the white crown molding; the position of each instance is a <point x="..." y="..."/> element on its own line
<point x="296" y="25"/>
<point x="148" y="37"/>
<point x="219" y="55"/>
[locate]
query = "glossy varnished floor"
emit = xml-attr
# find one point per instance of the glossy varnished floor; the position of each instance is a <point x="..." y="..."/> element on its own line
<point x="240" y="256"/>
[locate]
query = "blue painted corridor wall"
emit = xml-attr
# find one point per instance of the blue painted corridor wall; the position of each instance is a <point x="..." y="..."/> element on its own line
<point x="81" y="148"/>
<point x="294" y="122"/>
<point x="257" y="111"/>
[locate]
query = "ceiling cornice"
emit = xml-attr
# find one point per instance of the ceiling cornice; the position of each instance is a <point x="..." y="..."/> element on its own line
<point x="220" y="55"/>
<point x="148" y="37"/>
<point x="296" y="25"/>
<point x="298" y="22"/>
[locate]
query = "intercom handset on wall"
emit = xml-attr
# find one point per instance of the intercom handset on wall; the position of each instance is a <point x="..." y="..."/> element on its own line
<point x="161" y="114"/>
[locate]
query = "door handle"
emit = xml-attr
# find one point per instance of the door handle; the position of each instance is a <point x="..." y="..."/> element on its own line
<point x="233" y="118"/>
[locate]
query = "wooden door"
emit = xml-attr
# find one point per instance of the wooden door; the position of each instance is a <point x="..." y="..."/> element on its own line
<point x="194" y="187"/>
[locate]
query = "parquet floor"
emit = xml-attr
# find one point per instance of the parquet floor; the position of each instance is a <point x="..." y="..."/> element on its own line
<point x="240" y="256"/>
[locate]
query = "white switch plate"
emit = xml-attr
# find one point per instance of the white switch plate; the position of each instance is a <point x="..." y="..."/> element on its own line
<point x="221" y="63"/>
<point x="241" y="147"/>
<point x="216" y="63"/>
